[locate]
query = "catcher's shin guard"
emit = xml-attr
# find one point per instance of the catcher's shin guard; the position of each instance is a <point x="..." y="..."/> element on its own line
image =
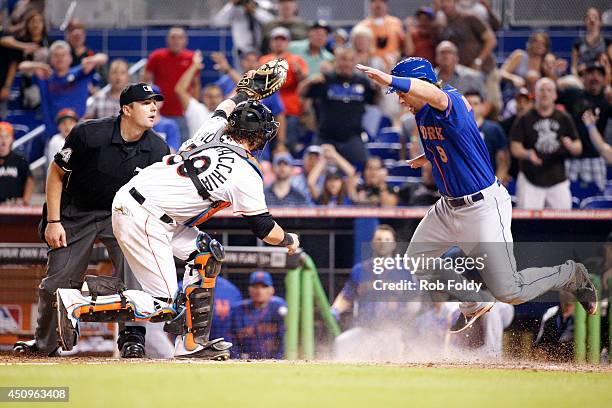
<point x="199" y="297"/>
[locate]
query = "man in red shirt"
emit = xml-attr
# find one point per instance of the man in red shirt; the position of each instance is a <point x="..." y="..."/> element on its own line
<point x="298" y="70"/>
<point x="165" y="67"/>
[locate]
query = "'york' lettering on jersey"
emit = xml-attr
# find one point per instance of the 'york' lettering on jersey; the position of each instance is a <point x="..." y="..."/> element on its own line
<point x="431" y="132"/>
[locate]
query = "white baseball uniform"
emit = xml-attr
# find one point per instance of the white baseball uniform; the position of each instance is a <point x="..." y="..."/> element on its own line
<point x="148" y="243"/>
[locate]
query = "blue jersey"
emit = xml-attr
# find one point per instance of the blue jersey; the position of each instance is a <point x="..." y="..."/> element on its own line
<point x="452" y="143"/>
<point x="169" y="131"/>
<point x="259" y="333"/>
<point x="226" y="296"/>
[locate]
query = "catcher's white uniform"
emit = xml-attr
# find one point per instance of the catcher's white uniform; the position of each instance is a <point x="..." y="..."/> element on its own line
<point x="148" y="242"/>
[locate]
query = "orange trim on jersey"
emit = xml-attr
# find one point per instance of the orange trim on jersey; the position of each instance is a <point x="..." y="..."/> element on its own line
<point x="211" y="211"/>
<point x="449" y="107"/>
<point x="439" y="169"/>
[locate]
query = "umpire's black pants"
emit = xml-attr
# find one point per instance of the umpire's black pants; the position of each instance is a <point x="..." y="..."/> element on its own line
<point x="66" y="265"/>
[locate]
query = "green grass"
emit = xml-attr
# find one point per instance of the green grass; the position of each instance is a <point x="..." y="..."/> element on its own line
<point x="308" y="385"/>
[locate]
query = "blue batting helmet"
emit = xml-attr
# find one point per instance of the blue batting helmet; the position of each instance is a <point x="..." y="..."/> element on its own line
<point x="414" y="67"/>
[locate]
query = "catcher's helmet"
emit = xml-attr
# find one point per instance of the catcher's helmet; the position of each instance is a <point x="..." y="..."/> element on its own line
<point x="414" y="67"/>
<point x="253" y="121"/>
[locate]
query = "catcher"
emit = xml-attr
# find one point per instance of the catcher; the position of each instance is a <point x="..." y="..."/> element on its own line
<point x="155" y="216"/>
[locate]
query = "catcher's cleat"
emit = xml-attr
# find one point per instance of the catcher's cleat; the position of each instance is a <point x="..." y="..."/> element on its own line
<point x="218" y="350"/>
<point x="585" y="292"/>
<point x="30" y="349"/>
<point x="464" y="322"/>
<point x="66" y="333"/>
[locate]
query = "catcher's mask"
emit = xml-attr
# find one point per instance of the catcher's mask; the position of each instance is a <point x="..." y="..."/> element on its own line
<point x="252" y="121"/>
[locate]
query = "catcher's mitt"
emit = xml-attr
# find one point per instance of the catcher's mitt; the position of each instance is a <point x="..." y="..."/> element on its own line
<point x="265" y="81"/>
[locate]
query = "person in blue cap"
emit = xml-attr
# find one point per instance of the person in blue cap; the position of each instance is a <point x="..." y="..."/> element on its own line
<point x="258" y="323"/>
<point x="475" y="210"/>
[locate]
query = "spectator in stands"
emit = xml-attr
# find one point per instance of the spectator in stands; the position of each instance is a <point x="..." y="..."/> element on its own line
<point x="521" y="104"/>
<point x="60" y="85"/>
<point x="553" y="67"/>
<point x="520" y="61"/>
<point x="104" y="104"/>
<point x="20" y="10"/>
<point x="555" y="338"/>
<point x="298" y="70"/>
<point x="281" y="193"/>
<point x="452" y="73"/>
<point x="477" y="43"/>
<point x="493" y="135"/>
<point x="16" y="183"/>
<point x="389" y="36"/>
<point x="587" y="49"/>
<point x="248" y="61"/>
<point x="424" y="33"/>
<point x="227" y="295"/>
<point x="423" y="194"/>
<point x="65" y="120"/>
<point x="166" y="128"/>
<point x="481" y="9"/>
<point x="336" y="190"/>
<point x="589" y="167"/>
<point x="288" y="18"/>
<point x="362" y="42"/>
<point x="340" y="98"/>
<point x="165" y="67"/>
<point x="76" y="36"/>
<point x="476" y="38"/>
<point x="604" y="149"/>
<point x="31" y="44"/>
<point x="196" y="112"/>
<point x="312" y="50"/>
<point x="381" y="316"/>
<point x="310" y="158"/>
<point x="258" y="323"/>
<point x="246" y="18"/>
<point x="541" y="140"/>
<point x="8" y="69"/>
<point x="374" y="191"/>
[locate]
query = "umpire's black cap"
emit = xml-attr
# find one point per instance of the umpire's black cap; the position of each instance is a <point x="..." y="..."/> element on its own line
<point x="138" y="92"/>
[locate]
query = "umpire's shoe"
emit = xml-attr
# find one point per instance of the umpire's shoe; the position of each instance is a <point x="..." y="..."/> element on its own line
<point x="29" y="348"/>
<point x="217" y="349"/>
<point x="67" y="334"/>
<point x="131" y="342"/>
<point x="585" y="291"/>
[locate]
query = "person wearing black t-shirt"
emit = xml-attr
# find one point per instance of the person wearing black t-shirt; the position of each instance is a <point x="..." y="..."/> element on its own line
<point x="98" y="158"/>
<point x="16" y="182"/>
<point x="541" y="140"/>
<point x="340" y="98"/>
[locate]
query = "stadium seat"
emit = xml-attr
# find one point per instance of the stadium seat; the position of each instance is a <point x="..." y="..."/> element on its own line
<point x="397" y="181"/>
<point x="575" y="203"/>
<point x="384" y="150"/>
<point x="596" y="202"/>
<point x="388" y="135"/>
<point x="403" y="169"/>
<point x="584" y="190"/>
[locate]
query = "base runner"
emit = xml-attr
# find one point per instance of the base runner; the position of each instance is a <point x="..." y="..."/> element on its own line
<point x="475" y="210"/>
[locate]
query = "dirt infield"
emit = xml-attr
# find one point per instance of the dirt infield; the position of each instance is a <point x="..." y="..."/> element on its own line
<point x="8" y="359"/>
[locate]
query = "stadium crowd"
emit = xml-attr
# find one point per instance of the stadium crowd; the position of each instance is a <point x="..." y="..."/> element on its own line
<point x="342" y="140"/>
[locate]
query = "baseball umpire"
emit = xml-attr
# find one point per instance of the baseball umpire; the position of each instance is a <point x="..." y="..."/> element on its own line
<point x="99" y="157"/>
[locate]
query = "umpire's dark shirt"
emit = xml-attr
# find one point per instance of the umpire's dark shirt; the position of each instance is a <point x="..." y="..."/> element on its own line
<point x="99" y="161"/>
